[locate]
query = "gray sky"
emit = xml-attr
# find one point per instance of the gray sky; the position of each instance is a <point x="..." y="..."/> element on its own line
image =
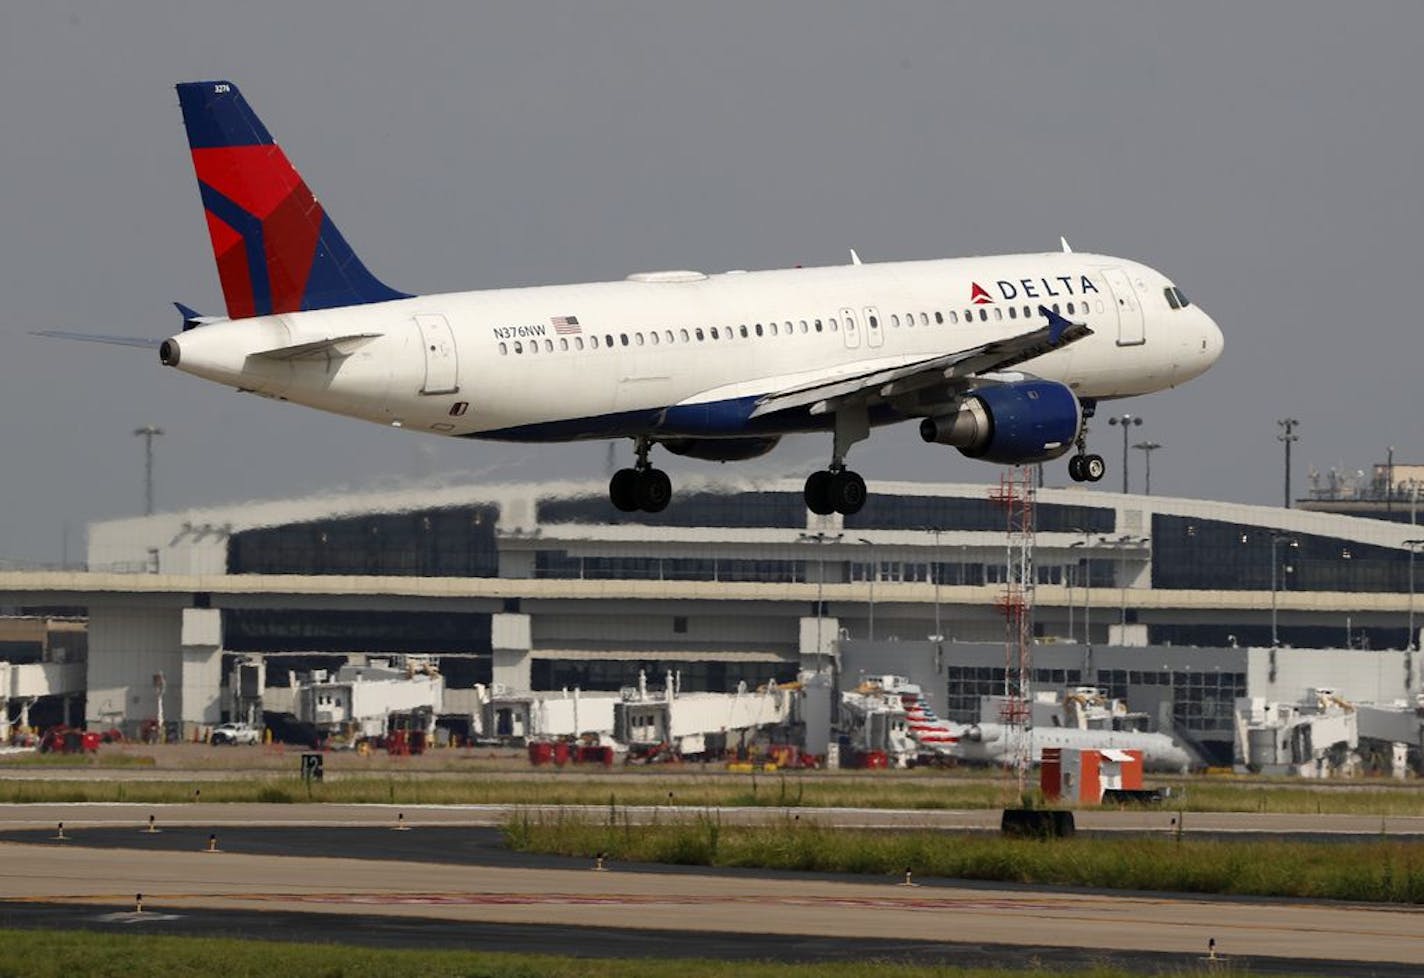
<point x="1266" y="155"/>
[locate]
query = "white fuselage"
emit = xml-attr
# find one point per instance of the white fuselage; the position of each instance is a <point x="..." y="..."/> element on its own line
<point x="563" y="362"/>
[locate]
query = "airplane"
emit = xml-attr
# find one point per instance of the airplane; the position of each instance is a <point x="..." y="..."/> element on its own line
<point x="997" y="743"/>
<point x="1002" y="357"/>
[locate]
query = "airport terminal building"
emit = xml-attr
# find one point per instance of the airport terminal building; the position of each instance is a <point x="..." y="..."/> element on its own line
<point x="545" y="586"/>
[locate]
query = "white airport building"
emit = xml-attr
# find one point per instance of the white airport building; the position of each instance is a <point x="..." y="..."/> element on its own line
<point x="1178" y="605"/>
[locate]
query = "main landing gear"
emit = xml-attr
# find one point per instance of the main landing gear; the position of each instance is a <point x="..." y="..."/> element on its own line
<point x="1083" y="467"/>
<point x="835" y="491"/>
<point x="641" y="487"/>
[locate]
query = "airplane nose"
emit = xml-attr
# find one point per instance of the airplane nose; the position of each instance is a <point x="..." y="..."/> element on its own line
<point x="1212" y="340"/>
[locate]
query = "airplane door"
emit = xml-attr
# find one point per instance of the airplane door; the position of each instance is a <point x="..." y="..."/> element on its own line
<point x="851" y="328"/>
<point x="442" y="367"/>
<point x="874" y="333"/>
<point x="1130" y="330"/>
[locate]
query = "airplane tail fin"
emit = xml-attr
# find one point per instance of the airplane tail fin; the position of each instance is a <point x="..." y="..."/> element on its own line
<point x="276" y="248"/>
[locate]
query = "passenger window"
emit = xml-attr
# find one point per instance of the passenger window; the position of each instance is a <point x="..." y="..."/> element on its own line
<point x="939" y="318"/>
<point x="518" y="347"/>
<point x="832" y="324"/>
<point x="1056" y="310"/>
<point x="789" y="328"/>
<point x="698" y="332"/>
<point x="593" y="342"/>
<point x="983" y="315"/>
<point x="1070" y="308"/>
<point x="969" y="315"/>
<point x="578" y="342"/>
<point x="773" y="329"/>
<point x="894" y="320"/>
<point x="924" y="319"/>
<point x="1013" y="312"/>
<point x="803" y="325"/>
<point x="607" y="339"/>
<point x="668" y="334"/>
<point x="712" y="331"/>
<point x="875" y="322"/>
<point x="503" y="349"/>
<point x="758" y="329"/>
<point x="624" y="338"/>
<point x="998" y="313"/>
<point x="818" y="325"/>
<point x="564" y="344"/>
<point x="533" y="346"/>
<point x="683" y="334"/>
<point x="638" y="338"/>
<point x="953" y="318"/>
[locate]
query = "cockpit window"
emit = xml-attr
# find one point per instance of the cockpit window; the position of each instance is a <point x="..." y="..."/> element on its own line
<point x="1176" y="298"/>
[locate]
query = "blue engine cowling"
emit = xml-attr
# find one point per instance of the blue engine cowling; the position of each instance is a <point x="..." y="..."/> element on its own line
<point x="720" y="449"/>
<point x="1027" y="421"/>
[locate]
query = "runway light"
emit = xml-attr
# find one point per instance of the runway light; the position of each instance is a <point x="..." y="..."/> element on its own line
<point x="60" y="834"/>
<point x="598" y="861"/>
<point x="908" y="881"/>
<point x="212" y="843"/>
<point x="151" y="826"/>
<point x="400" y="822"/>
<point x="138" y="903"/>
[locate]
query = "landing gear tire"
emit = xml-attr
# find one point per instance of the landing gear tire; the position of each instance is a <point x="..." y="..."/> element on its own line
<point x="818" y="493"/>
<point x="847" y="492"/>
<point x="623" y="490"/>
<point x="653" y="490"/>
<point x="1087" y="468"/>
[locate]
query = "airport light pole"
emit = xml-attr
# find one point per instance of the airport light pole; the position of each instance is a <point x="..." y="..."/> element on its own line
<point x="1276" y="540"/>
<point x="1126" y="420"/>
<point x="1413" y="545"/>
<point x="1147" y="448"/>
<point x="820" y="538"/>
<point x="1087" y="590"/>
<point x="874" y="572"/>
<point x="1286" y="437"/>
<point x="147" y="433"/>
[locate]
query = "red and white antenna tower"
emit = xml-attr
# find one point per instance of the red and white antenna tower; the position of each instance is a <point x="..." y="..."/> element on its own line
<point x="1016" y="494"/>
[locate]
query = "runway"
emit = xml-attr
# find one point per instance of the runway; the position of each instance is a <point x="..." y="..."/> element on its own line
<point x="455" y="886"/>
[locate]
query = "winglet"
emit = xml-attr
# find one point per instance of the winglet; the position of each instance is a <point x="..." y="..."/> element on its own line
<point x="1056" y="325"/>
<point x="854" y="258"/>
<point x="1067" y="248"/>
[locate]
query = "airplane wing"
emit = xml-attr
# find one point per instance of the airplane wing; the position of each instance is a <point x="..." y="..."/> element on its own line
<point x="61" y="334"/>
<point x="823" y="396"/>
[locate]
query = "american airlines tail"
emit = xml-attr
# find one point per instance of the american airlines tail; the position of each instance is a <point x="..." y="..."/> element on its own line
<point x="276" y="248"/>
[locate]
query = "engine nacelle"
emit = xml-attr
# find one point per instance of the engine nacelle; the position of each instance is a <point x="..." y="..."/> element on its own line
<point x="720" y="449"/>
<point x="1028" y="421"/>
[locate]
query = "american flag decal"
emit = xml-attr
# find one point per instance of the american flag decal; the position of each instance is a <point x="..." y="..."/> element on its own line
<point x="566" y="325"/>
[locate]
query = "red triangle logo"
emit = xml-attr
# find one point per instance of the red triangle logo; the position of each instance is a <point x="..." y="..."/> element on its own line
<point x="977" y="295"/>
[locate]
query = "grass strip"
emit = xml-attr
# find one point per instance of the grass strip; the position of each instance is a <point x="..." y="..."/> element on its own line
<point x="1377" y="872"/>
<point x="79" y="954"/>
<point x="774" y="791"/>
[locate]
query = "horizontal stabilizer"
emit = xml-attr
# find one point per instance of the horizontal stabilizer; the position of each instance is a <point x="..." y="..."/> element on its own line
<point x="61" y="334"/>
<point x="336" y="346"/>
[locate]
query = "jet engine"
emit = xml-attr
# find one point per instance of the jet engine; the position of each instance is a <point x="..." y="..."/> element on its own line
<point x="1026" y="421"/>
<point x="720" y="449"/>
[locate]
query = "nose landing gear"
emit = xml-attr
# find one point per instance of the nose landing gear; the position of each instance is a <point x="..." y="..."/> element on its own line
<point x="641" y="487"/>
